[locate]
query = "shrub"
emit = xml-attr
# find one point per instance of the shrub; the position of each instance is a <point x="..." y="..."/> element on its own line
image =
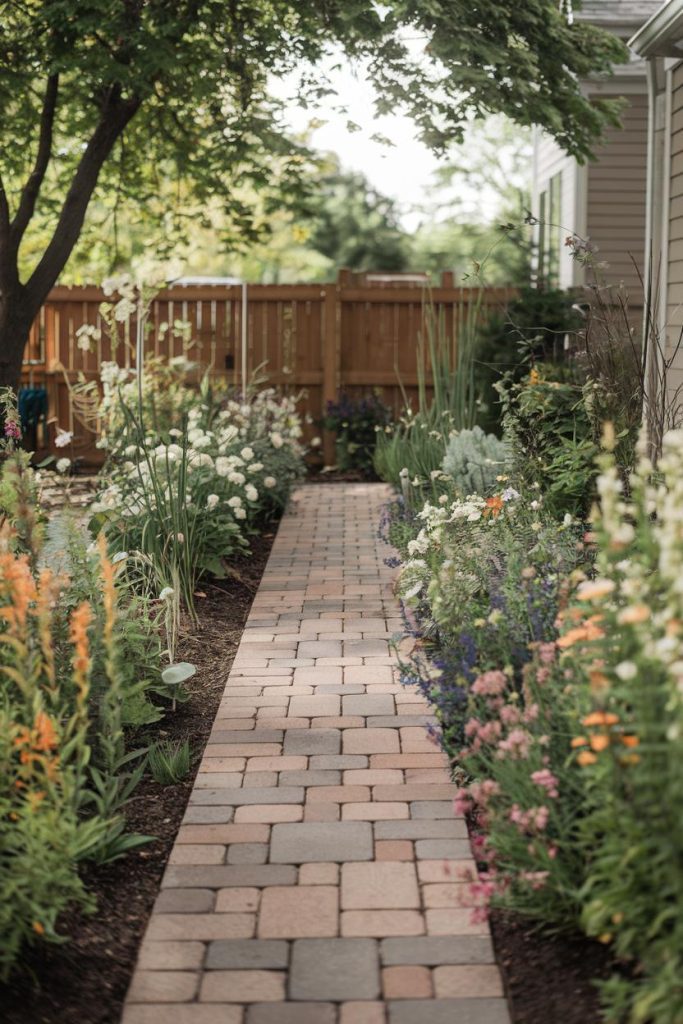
<point x="356" y="423"/>
<point x="190" y="497"/>
<point x="474" y="460"/>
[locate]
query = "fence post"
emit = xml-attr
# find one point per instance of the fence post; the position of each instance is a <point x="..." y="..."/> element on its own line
<point x="330" y="364"/>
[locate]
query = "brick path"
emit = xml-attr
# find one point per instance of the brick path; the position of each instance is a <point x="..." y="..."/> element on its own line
<point x="314" y="878"/>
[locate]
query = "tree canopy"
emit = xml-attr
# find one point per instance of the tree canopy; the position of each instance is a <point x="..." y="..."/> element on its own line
<point x="118" y="95"/>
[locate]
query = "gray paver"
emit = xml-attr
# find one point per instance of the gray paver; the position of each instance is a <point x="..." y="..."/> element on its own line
<point x="185" y="901"/>
<point x="432" y="809"/>
<point x="368" y="704"/>
<point x="310" y="778"/>
<point x="292" y="1013"/>
<point x="433" y="950"/>
<point x="224" y="876"/>
<point x="248" y="853"/>
<point x="299" y="842"/>
<point x="425" y="829"/>
<point x="334" y="969"/>
<point x="252" y="954"/>
<point x="312" y="741"/>
<point x="250" y="795"/>
<point x="449" y="1011"/>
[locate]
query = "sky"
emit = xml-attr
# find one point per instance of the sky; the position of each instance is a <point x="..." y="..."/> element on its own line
<point x="403" y="171"/>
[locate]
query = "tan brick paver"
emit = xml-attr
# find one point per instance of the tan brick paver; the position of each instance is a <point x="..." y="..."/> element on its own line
<point x="318" y="874"/>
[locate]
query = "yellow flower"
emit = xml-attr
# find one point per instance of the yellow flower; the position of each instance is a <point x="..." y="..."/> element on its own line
<point x="605" y="938"/>
<point x="534" y="377"/>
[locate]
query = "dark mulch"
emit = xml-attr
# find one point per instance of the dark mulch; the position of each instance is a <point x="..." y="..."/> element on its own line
<point x="548" y="979"/>
<point x="85" y="981"/>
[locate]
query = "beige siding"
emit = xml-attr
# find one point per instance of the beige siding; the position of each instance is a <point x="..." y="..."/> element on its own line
<point x="551" y="160"/>
<point x="675" y="253"/>
<point x="617" y="183"/>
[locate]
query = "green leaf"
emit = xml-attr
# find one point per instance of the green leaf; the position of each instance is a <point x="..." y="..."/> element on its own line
<point x="178" y="673"/>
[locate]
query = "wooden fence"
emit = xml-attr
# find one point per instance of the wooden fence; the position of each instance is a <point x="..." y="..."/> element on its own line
<point x="354" y="336"/>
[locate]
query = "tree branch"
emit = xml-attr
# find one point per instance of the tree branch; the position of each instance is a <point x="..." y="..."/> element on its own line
<point x="115" y="115"/>
<point x="29" y="195"/>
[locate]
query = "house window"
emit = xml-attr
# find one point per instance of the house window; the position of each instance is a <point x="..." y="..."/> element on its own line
<point x="550" y="231"/>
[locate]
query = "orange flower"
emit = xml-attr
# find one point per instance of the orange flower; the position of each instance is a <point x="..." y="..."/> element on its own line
<point x="585" y="758"/>
<point x="46" y="738"/>
<point x="604" y="718"/>
<point x="81" y="618"/>
<point x="598" y="681"/>
<point x="630" y="741"/>
<point x="633" y="615"/>
<point x="599" y="742"/>
<point x="589" y="631"/>
<point x="494" y="506"/>
<point x="579" y="741"/>
<point x="38" y="928"/>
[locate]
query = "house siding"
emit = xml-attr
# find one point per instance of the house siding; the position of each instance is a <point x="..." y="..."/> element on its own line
<point x="616" y="197"/>
<point x="550" y="160"/>
<point x="674" y="297"/>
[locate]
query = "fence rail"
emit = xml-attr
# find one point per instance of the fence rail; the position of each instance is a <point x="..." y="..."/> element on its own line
<point x="355" y="335"/>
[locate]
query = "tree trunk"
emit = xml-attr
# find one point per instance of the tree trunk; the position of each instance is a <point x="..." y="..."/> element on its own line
<point x="16" y="317"/>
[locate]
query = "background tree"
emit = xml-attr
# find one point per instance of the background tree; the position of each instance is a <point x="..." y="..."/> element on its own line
<point x="115" y="94"/>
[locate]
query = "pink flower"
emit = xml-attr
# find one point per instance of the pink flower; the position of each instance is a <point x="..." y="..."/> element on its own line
<point x="510" y="714"/>
<point x="12" y="429"/>
<point x="536" y="879"/>
<point x="547" y="781"/>
<point x="516" y="745"/>
<point x="462" y="804"/>
<point x="490" y="684"/>
<point x="542" y="676"/>
<point x="531" y="713"/>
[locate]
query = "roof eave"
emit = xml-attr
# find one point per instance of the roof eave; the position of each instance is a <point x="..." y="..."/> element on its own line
<point x="662" y="34"/>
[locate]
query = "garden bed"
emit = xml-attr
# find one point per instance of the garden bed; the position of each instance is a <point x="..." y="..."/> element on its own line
<point x="85" y="981"/>
<point x="548" y="978"/>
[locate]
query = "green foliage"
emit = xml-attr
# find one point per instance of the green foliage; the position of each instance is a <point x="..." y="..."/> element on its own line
<point x="414" y="450"/>
<point x="356" y="423"/>
<point x="550" y="437"/>
<point x="354" y="226"/>
<point x="475" y="460"/>
<point x="531" y="329"/>
<point x="169" y="762"/>
<point x="555" y="671"/>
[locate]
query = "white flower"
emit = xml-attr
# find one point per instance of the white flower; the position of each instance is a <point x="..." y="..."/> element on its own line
<point x="235" y="501"/>
<point x="251" y="492"/>
<point x="509" y="494"/>
<point x="166" y="594"/>
<point x="180" y="537"/>
<point x="222" y="465"/>
<point x="626" y="670"/>
<point x="276" y="440"/>
<point x="212" y="501"/>
<point x="247" y="454"/>
<point x="269" y="481"/>
<point x="236" y="478"/>
<point x="315" y="443"/>
<point x="63" y="438"/>
<point x="240" y="513"/>
<point x="63" y="465"/>
<point x="255" y="467"/>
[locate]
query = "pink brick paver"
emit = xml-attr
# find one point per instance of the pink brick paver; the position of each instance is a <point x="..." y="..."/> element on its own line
<point x="317" y="877"/>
